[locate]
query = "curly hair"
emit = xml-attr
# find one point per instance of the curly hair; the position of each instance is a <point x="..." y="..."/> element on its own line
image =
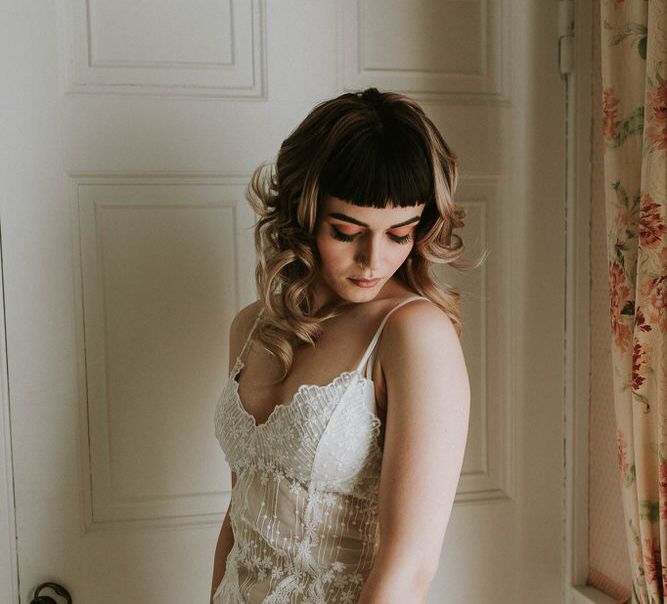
<point x="369" y="148"/>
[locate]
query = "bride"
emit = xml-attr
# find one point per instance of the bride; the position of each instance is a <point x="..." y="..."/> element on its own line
<point x="345" y="417"/>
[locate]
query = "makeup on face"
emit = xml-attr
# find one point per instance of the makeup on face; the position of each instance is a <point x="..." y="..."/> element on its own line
<point x="341" y="229"/>
<point x="360" y="248"/>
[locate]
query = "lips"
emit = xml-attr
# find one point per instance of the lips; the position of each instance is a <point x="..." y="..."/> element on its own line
<point x="365" y="282"/>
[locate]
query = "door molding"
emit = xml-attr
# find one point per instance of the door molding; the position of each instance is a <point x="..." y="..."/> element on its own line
<point x="9" y="590"/>
<point x="577" y="315"/>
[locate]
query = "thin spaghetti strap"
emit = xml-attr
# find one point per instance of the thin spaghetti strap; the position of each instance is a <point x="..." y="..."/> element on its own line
<point x="369" y="355"/>
<point x="250" y="335"/>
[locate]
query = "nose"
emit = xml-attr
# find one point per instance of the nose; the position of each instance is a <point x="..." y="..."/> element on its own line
<point x="369" y="254"/>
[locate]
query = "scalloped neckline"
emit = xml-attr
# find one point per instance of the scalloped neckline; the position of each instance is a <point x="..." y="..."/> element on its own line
<point x="239" y="365"/>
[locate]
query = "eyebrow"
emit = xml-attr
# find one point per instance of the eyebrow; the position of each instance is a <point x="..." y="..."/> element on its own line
<point x="347" y="218"/>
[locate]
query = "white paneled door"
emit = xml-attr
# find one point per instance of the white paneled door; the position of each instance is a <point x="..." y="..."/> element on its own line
<point x="129" y="131"/>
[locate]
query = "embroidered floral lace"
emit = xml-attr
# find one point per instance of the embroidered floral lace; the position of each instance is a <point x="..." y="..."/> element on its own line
<point x="304" y="506"/>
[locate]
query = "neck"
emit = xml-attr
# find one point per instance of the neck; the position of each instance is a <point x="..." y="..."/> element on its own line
<point x="324" y="297"/>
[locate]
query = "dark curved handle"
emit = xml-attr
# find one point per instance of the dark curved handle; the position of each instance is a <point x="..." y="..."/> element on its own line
<point x="59" y="589"/>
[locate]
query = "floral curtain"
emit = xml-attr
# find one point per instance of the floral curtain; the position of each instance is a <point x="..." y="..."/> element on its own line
<point x="634" y="82"/>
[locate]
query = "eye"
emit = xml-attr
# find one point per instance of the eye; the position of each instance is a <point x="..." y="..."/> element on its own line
<point x="337" y="234"/>
<point x="405" y="237"/>
<point x="401" y="238"/>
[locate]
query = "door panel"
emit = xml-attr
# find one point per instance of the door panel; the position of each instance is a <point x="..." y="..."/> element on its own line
<point x="127" y="249"/>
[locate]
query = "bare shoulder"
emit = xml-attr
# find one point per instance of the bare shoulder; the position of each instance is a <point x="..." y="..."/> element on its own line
<point x="422" y="364"/>
<point x="419" y="322"/>
<point x="246" y="317"/>
<point x="241" y="326"/>
<point x="419" y="335"/>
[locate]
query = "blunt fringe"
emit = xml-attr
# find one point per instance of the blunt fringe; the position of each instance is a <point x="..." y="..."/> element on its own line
<point x="370" y="148"/>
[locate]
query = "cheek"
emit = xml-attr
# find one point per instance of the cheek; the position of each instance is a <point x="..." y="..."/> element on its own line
<point x="399" y="255"/>
<point x="330" y="252"/>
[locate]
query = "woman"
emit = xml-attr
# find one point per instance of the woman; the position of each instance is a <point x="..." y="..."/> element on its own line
<point x="342" y="492"/>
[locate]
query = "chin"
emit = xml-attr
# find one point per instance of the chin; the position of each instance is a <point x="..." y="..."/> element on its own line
<point x="360" y="297"/>
<point x="353" y="293"/>
<point x="344" y="290"/>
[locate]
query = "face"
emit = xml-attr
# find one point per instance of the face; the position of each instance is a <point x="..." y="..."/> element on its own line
<point x="361" y="248"/>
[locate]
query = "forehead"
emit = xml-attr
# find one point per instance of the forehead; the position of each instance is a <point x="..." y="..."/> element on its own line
<point x="374" y="217"/>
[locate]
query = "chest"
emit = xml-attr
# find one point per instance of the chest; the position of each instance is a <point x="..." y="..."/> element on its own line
<point x="328" y="435"/>
<point x="261" y="390"/>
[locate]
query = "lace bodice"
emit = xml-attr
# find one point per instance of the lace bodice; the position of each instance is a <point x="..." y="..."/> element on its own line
<point x="304" y="506"/>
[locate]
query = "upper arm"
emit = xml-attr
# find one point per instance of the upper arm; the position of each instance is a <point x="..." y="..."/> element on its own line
<point x="428" y="407"/>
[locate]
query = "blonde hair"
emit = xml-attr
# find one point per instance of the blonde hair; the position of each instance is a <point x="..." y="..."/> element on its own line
<point x="371" y="149"/>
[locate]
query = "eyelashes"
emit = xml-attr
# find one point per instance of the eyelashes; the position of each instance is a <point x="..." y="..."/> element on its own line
<point x="402" y="239"/>
<point x="341" y="236"/>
